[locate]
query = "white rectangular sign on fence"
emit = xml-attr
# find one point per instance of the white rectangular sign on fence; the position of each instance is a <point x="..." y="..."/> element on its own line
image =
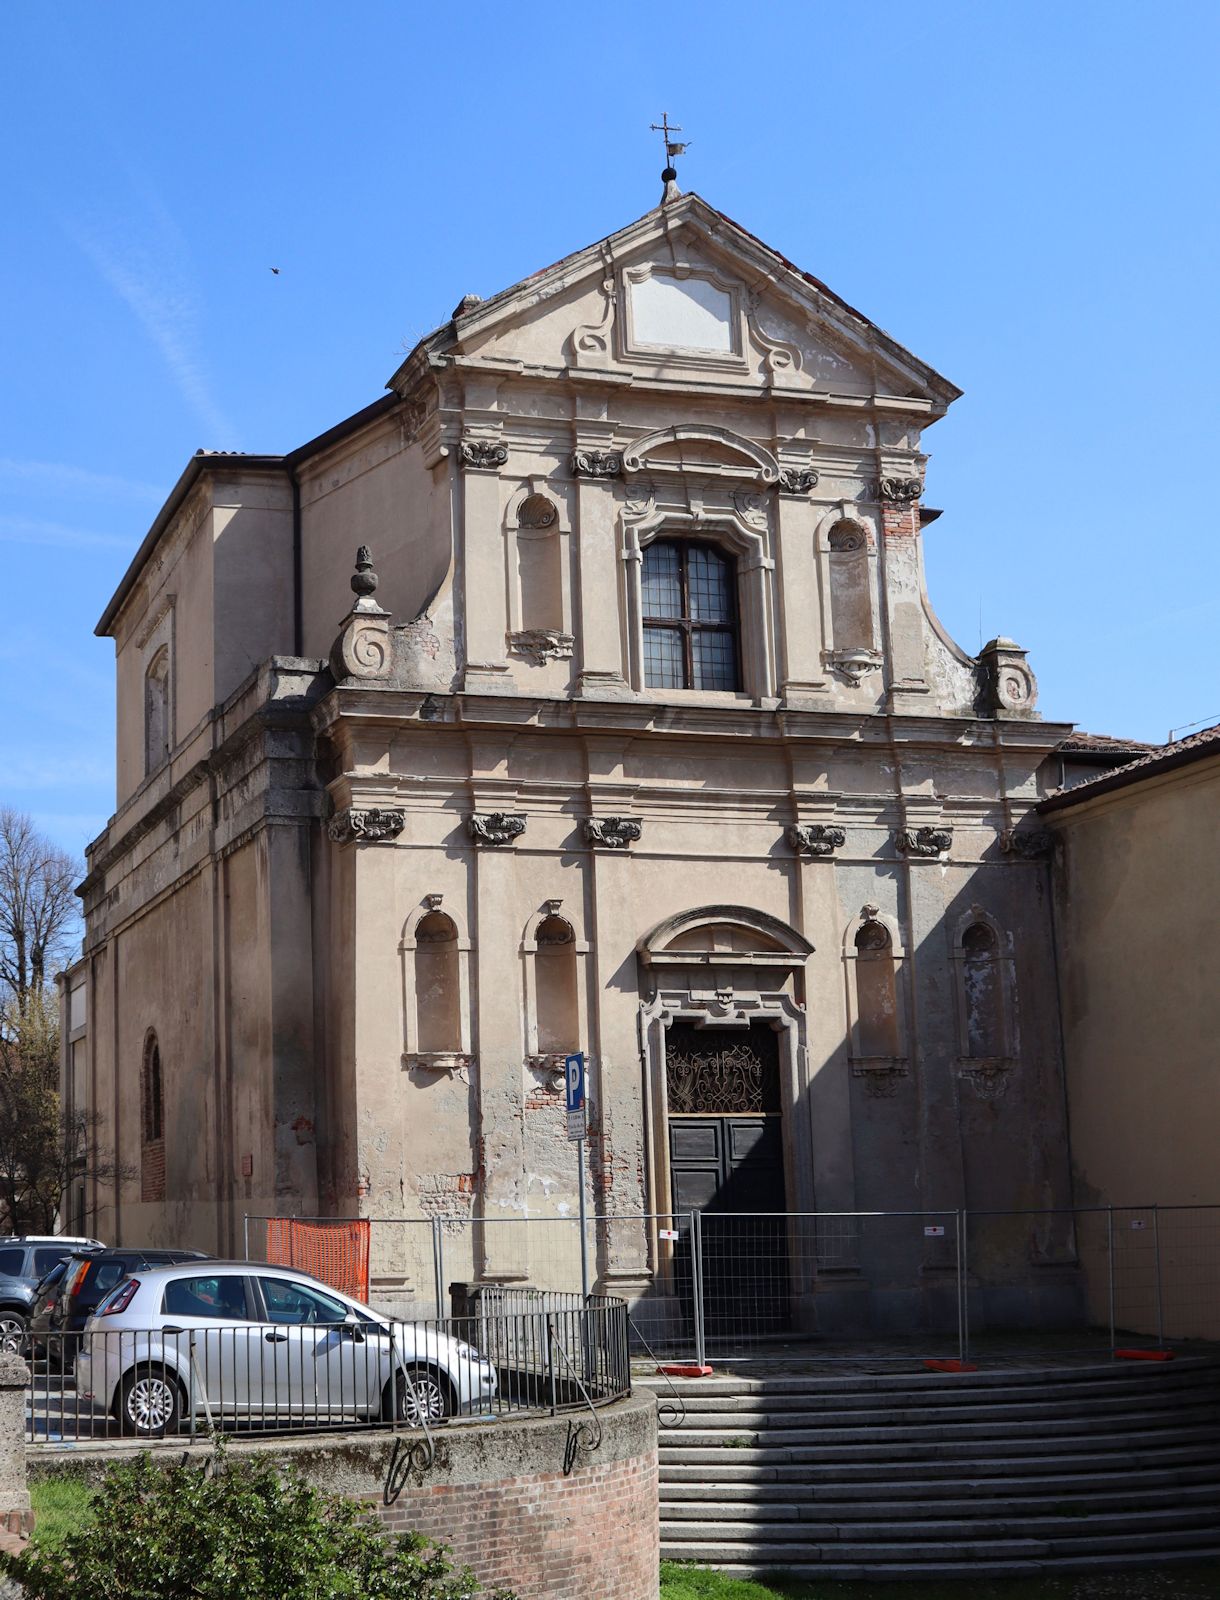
<point x="667" y="1233"/>
<point x="1138" y="1222"/>
<point x="935" y="1230"/>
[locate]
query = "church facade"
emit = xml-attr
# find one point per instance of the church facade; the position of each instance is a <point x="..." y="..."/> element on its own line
<point x="582" y="693"/>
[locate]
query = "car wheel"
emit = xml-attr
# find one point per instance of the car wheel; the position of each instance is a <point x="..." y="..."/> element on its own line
<point x="12" y="1330"/>
<point x="150" y="1402"/>
<point x="428" y="1398"/>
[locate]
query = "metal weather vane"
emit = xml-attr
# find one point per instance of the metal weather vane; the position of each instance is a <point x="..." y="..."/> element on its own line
<point x="672" y="148"/>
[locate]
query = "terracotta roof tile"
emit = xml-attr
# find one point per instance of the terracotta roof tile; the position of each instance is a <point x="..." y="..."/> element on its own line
<point x="1160" y="758"/>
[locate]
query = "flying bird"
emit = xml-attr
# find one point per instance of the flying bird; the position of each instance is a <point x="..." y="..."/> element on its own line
<point x="276" y="270"/>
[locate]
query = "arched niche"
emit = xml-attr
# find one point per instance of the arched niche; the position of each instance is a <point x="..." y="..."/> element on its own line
<point x="874" y="979"/>
<point x="537" y="536"/>
<point x="152" y="1121"/>
<point x="556" y="1013"/>
<point x="986" y="992"/>
<point x="435" y="950"/>
<point x="157" y="735"/>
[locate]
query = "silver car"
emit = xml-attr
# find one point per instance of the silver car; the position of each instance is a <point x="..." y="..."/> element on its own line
<point x="251" y="1341"/>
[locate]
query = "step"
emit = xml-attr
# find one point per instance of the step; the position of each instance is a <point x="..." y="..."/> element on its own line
<point x="833" y="1569"/>
<point x="763" y="1502"/>
<point x="766" y="1531"/>
<point x="939" y="1449"/>
<point x="755" y="1414"/>
<point x="1101" y="1373"/>
<point x="786" y="1555"/>
<point x="862" y="1470"/>
<point x="897" y="1433"/>
<point x="1163" y="1384"/>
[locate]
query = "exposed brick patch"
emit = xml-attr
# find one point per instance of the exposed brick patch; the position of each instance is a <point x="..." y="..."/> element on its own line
<point x="594" y="1534"/>
<point x="152" y="1170"/>
<point x="899" y="522"/>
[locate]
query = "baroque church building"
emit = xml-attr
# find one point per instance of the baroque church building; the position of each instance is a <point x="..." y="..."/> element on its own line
<point x="582" y="693"/>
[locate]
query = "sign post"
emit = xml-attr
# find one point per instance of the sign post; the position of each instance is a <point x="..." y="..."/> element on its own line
<point x="578" y="1129"/>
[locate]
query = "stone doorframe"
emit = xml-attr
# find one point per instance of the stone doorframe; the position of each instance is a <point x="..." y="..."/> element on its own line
<point x="724" y="989"/>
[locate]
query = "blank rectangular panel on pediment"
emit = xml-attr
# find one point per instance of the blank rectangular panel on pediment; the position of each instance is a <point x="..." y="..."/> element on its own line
<point x="682" y="314"/>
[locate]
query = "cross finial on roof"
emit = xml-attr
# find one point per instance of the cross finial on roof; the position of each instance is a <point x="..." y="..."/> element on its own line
<point x="669" y="177"/>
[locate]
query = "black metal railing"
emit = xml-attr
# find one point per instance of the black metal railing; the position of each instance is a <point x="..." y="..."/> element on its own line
<point x="181" y="1382"/>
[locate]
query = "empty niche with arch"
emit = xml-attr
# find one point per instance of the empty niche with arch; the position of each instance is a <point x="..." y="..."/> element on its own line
<point x="152" y="1122"/>
<point x="874" y="956"/>
<point x="849" y="586"/>
<point x="156" y="710"/>
<point x="986" y="993"/>
<point x="555" y="1019"/>
<point x="538" y="594"/>
<point x="436" y="988"/>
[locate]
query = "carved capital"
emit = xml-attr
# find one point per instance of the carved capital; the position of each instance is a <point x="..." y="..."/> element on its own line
<point x="376" y="826"/>
<point x="482" y="454"/>
<point x="541" y="644"/>
<point x="494" y="827"/>
<point x="616" y="833"/>
<point x="923" y="841"/>
<point x="816" y="838"/>
<point x="797" y="480"/>
<point x="899" y="491"/>
<point x="597" y="464"/>
<point x="1030" y="844"/>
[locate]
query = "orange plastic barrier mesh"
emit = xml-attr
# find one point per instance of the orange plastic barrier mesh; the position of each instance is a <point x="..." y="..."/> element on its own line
<point x="335" y="1252"/>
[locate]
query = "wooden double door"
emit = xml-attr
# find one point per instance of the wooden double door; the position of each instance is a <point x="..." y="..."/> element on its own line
<point x="726" y="1160"/>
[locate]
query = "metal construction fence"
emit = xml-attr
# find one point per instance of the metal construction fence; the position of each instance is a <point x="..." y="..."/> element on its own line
<point x="549" y="1354"/>
<point x="725" y="1286"/>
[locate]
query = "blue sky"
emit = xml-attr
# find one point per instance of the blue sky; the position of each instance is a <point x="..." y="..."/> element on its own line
<point x="1023" y="194"/>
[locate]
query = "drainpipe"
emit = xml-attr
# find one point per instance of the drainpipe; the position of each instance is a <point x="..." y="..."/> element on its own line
<point x="298" y="609"/>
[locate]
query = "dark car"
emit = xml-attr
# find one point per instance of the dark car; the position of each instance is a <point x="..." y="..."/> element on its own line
<point x="24" y="1262"/>
<point x="89" y="1276"/>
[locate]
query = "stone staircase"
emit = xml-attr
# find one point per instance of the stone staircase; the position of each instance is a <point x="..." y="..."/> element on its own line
<point x="1002" y="1473"/>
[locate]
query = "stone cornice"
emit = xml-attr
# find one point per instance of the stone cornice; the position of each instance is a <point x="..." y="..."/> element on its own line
<point x="976" y="736"/>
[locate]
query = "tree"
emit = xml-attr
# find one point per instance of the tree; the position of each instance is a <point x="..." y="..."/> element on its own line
<point x="38" y="909"/>
<point x="41" y="1141"/>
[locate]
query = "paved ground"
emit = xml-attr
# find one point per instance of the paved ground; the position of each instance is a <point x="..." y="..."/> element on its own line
<point x="841" y="1357"/>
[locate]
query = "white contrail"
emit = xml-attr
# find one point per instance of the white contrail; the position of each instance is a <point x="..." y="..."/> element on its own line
<point x="167" y="313"/>
<point x="60" y="475"/>
<point x="36" y="530"/>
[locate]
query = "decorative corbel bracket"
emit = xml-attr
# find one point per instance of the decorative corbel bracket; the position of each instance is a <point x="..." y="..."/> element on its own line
<point x="374" y="826"/>
<point x="1030" y="844"/>
<point x="816" y="838"/>
<point x="616" y="833"/>
<point x="797" y="480"/>
<point x="928" y="842"/>
<point x="597" y="464"/>
<point x="494" y="827"/>
<point x="539" y="645"/>
<point x="483" y="455"/>
<point x="897" y="491"/>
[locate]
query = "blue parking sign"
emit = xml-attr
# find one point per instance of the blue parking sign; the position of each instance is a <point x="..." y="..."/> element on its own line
<point x="574" y="1094"/>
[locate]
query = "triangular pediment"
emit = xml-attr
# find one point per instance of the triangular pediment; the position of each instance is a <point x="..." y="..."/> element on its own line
<point x="684" y="294"/>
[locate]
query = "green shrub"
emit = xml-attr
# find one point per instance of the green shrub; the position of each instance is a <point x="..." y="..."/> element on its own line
<point x="245" y="1529"/>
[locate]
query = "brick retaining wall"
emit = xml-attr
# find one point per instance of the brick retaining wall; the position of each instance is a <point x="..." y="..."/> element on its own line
<point x="496" y="1493"/>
